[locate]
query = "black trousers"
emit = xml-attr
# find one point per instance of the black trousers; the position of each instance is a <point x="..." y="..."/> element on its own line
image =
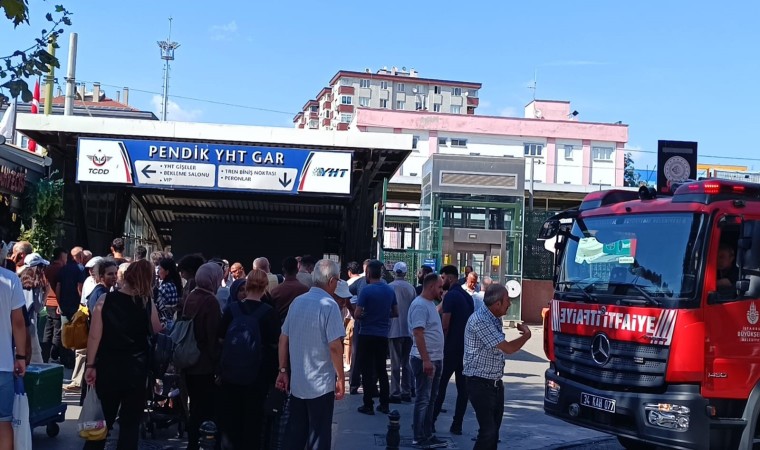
<point x="452" y="365"/>
<point x="51" y="337"/>
<point x="129" y="404"/>
<point x="241" y="417"/>
<point x="356" y="369"/>
<point x="202" y="392"/>
<point x="310" y="423"/>
<point x="487" y="400"/>
<point x="374" y="352"/>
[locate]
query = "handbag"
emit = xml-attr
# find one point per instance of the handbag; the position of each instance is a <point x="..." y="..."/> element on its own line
<point x="186" y="352"/>
<point x="74" y="332"/>
<point x="275" y="402"/>
<point x="22" y="430"/>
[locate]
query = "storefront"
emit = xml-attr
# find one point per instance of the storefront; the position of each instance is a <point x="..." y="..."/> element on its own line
<point x="19" y="171"/>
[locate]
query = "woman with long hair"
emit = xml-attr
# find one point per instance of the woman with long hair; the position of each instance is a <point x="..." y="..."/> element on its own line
<point x="202" y="307"/>
<point x="169" y="291"/>
<point x="36" y="288"/>
<point x="117" y="352"/>
<point x="244" y="423"/>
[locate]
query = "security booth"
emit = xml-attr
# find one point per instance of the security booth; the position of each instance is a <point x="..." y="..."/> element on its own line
<point x="472" y="211"/>
<point x="20" y="170"/>
<point x="237" y="192"/>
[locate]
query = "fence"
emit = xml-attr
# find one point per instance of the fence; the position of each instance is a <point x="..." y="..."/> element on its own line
<point x="538" y="263"/>
<point x="413" y="259"/>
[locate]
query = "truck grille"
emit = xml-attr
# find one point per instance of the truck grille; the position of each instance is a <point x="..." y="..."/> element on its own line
<point x="630" y="364"/>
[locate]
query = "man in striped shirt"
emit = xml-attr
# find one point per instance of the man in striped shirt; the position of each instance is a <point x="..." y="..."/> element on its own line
<point x="484" y="349"/>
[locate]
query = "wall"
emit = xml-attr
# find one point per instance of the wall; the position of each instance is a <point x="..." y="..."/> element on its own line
<point x="603" y="171"/>
<point x="568" y="171"/>
<point x="246" y="242"/>
<point x="536" y="295"/>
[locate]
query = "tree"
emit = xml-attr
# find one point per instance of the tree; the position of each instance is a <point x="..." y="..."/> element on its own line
<point x="44" y="204"/>
<point x="630" y="176"/>
<point x="33" y="61"/>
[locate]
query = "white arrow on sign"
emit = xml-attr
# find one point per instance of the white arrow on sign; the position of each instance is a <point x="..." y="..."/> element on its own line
<point x="171" y="173"/>
<point x="257" y="178"/>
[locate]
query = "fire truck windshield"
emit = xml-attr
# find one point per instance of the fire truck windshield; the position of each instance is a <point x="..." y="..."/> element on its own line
<point x="645" y="258"/>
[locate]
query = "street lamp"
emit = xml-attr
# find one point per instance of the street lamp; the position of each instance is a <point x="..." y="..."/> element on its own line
<point x="532" y="173"/>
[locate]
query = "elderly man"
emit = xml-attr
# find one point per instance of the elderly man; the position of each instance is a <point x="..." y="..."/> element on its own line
<point x="263" y="265"/>
<point x="237" y="271"/>
<point x="305" y="267"/>
<point x="311" y="344"/>
<point x="485" y="347"/>
<point x="15" y="262"/>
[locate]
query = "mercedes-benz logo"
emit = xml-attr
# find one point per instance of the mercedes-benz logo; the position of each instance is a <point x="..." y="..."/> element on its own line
<point x="600" y="349"/>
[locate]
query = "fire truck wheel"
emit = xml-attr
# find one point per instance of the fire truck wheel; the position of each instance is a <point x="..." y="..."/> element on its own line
<point x="632" y="444"/>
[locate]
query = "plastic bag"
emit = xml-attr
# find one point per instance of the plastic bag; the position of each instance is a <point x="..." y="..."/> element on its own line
<point x="92" y="422"/>
<point x="22" y="431"/>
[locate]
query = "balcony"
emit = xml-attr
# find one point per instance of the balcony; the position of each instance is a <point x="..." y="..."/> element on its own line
<point x="473" y="101"/>
<point x="327" y="105"/>
<point x="314" y="115"/>
<point x="301" y="125"/>
<point x="346" y="108"/>
<point x="342" y="126"/>
<point x="325" y="122"/>
<point x="346" y="90"/>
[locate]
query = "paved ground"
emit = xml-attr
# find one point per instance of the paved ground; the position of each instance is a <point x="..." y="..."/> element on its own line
<point x="525" y="424"/>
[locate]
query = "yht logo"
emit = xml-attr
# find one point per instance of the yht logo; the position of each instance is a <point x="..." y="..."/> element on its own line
<point x="99" y="159"/>
<point x="329" y="172"/>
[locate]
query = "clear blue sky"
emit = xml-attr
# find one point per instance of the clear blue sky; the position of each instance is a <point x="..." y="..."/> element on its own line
<point x="681" y="70"/>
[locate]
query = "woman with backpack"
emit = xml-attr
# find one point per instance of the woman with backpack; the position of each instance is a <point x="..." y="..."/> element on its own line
<point x="202" y="308"/>
<point x="169" y="291"/>
<point x="250" y="331"/>
<point x="117" y="352"/>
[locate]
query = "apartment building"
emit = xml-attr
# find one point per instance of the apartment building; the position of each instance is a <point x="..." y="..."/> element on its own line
<point x="393" y="89"/>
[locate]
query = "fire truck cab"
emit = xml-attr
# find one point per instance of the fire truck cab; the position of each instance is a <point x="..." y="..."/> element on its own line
<point x="653" y="332"/>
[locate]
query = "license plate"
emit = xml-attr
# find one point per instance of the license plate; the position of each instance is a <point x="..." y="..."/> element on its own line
<point x="596" y="402"/>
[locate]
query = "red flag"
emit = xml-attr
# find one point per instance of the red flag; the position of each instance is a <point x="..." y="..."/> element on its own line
<point x="35" y="110"/>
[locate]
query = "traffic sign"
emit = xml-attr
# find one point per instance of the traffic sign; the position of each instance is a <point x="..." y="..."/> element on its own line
<point x="220" y="166"/>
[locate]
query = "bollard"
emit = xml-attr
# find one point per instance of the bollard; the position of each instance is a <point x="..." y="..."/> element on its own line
<point x="393" y="438"/>
<point x="207" y="439"/>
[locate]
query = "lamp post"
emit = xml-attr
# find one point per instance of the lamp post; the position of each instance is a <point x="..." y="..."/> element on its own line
<point x="532" y="181"/>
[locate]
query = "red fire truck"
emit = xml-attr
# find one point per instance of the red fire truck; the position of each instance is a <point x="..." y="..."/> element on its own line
<point x="653" y="332"/>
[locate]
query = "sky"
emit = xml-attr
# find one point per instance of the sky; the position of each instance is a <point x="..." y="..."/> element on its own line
<point x="675" y="70"/>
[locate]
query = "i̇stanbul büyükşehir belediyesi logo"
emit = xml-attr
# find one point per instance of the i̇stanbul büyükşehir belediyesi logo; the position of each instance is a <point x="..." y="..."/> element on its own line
<point x="753" y="315"/>
<point x="99" y="159"/>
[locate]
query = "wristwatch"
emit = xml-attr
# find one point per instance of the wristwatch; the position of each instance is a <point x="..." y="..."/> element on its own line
<point x="283" y="370"/>
<point x="20" y="357"/>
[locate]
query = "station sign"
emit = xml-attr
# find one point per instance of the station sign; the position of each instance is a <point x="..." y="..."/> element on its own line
<point x="213" y="166"/>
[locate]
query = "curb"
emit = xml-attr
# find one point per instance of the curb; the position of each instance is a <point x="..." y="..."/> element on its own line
<point x="592" y="441"/>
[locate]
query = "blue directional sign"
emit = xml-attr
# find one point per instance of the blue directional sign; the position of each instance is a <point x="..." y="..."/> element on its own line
<point x="213" y="166"/>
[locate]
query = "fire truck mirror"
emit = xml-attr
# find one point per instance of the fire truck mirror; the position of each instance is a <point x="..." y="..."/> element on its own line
<point x="549" y="230"/>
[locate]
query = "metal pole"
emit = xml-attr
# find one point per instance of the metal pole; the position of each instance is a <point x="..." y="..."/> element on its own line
<point x="68" y="106"/>
<point x="531" y="182"/>
<point x="50" y="79"/>
<point x="166" y="90"/>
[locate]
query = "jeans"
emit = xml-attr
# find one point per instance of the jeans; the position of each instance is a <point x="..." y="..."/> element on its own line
<point x="488" y="402"/>
<point x="373" y="351"/>
<point x="310" y="423"/>
<point x="202" y="392"/>
<point x="427" y="390"/>
<point x="129" y="403"/>
<point x="452" y="365"/>
<point x="401" y="371"/>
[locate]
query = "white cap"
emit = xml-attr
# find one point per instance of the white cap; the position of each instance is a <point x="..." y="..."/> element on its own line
<point x="91" y="263"/>
<point x="342" y="290"/>
<point x="34" y="259"/>
<point x="400" y="267"/>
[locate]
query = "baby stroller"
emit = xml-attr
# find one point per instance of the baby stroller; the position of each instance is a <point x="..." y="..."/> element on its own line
<point x="164" y="406"/>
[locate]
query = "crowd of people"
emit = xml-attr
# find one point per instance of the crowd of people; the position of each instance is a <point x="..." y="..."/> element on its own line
<point x="302" y="332"/>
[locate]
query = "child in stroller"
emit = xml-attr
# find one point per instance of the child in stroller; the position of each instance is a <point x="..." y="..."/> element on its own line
<point x="164" y="406"/>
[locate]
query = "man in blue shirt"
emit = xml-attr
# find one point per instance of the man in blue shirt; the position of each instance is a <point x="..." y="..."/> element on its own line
<point x="374" y="309"/>
<point x="457" y="308"/>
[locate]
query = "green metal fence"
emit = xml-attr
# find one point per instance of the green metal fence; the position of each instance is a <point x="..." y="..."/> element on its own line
<point x="538" y="263"/>
<point x="413" y="259"/>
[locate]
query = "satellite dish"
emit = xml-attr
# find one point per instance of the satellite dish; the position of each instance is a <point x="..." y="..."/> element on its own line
<point x="514" y="289"/>
<point x="539" y="114"/>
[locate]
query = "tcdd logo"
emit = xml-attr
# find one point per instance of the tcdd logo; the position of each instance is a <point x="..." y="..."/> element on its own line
<point x="99" y="159"/>
<point x="329" y="172"/>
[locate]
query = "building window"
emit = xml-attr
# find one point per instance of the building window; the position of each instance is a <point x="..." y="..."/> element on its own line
<point x="364" y="83"/>
<point x="436" y="107"/>
<point x="383" y="103"/>
<point x="456" y="91"/>
<point x="415" y="140"/>
<point x="534" y="149"/>
<point x="326" y="114"/>
<point x="472" y="93"/>
<point x="384" y="85"/>
<point x="400" y="87"/>
<point x="601" y="153"/>
<point x="455" y="109"/>
<point x="313" y="124"/>
<point x="458" y="142"/>
<point x="568" y="152"/>
<point x="345" y="82"/>
<point x="346" y="118"/>
<point x="314" y="109"/>
<point x="420" y="89"/>
<point x="400" y="104"/>
<point x="436" y="89"/>
<point x="442" y="141"/>
<point x="363" y="101"/>
<point x="346" y="100"/>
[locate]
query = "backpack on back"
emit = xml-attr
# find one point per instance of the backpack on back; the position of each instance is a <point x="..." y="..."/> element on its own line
<point x="241" y="352"/>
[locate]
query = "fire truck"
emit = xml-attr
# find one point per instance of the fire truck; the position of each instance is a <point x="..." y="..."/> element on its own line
<point x="653" y="331"/>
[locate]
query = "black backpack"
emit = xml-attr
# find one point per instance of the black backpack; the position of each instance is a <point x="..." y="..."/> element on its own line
<point x="242" y="349"/>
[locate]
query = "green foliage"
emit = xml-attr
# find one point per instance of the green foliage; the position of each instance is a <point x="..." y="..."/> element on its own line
<point x="45" y="203"/>
<point x="35" y="60"/>
<point x="630" y="177"/>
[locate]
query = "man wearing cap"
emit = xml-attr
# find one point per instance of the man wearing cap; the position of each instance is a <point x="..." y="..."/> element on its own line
<point x="399" y="338"/>
<point x="35" y="288"/>
<point x="91" y="281"/>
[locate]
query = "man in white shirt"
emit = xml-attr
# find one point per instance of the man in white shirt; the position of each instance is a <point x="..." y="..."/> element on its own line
<point x="12" y="331"/>
<point x="399" y="338"/>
